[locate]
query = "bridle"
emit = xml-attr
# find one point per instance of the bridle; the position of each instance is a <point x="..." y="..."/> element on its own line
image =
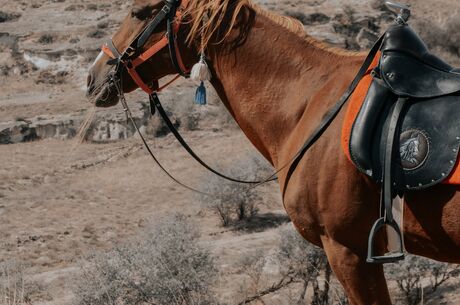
<point x="132" y="57"/>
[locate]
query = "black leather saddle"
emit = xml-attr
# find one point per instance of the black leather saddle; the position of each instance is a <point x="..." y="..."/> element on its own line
<point x="427" y="137"/>
<point x="406" y="135"/>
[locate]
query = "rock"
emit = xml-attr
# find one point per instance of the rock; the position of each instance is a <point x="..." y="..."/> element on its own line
<point x="107" y="127"/>
<point x="366" y="39"/>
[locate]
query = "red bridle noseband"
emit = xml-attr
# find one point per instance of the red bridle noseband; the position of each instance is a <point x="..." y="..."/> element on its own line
<point x="131" y="58"/>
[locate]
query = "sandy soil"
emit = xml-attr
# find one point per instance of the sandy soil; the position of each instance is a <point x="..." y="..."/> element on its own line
<point x="60" y="200"/>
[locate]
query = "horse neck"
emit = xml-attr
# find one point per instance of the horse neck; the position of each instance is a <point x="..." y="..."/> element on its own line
<point x="268" y="82"/>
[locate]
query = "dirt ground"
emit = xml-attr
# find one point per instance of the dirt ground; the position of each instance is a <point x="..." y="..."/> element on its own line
<point x="61" y="200"/>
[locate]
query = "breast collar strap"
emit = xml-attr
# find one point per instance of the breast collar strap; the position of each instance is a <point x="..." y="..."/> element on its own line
<point x="131" y="59"/>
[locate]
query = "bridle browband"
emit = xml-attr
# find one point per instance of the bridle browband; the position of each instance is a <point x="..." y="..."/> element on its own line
<point x="132" y="57"/>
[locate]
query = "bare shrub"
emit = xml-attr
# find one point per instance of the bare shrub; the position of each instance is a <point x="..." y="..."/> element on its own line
<point x="166" y="267"/>
<point x="299" y="264"/>
<point x="411" y="278"/>
<point x="306" y="263"/>
<point x="46" y="39"/>
<point x="235" y="202"/>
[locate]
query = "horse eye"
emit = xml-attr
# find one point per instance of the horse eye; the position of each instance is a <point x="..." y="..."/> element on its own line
<point x="142" y="13"/>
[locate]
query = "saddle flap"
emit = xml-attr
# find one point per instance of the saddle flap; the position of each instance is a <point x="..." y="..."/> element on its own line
<point x="407" y="76"/>
<point x="427" y="143"/>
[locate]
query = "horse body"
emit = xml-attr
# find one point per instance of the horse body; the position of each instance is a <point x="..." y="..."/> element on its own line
<point x="278" y="84"/>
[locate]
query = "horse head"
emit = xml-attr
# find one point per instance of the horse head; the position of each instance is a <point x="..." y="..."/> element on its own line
<point x="102" y="89"/>
<point x="162" y="37"/>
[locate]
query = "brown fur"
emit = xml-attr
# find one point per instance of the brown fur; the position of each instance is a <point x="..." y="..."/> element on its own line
<point x="278" y="83"/>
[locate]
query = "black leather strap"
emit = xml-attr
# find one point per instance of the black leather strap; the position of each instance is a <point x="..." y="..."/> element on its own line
<point x="153" y="24"/>
<point x="387" y="193"/>
<point x="156" y="102"/>
<point x="333" y="112"/>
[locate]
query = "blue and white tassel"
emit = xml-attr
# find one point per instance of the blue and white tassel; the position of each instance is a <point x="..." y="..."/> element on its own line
<point x="200" y="72"/>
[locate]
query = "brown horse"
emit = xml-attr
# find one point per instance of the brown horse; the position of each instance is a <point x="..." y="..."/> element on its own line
<point x="278" y="83"/>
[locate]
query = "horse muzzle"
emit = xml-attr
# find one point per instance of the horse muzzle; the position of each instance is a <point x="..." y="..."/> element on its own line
<point x="102" y="94"/>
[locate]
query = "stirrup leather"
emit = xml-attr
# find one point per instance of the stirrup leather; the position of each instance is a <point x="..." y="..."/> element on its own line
<point x="387" y="193"/>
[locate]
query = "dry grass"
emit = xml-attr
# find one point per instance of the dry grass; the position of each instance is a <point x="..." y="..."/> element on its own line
<point x="15" y="287"/>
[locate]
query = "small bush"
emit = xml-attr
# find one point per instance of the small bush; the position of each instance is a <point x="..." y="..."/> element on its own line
<point x="306" y="263"/>
<point x="410" y="277"/>
<point x="166" y="267"/>
<point x="235" y="202"/>
<point x="299" y="265"/>
<point x="46" y="39"/>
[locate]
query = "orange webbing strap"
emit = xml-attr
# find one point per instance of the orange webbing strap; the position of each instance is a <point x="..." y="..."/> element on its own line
<point x="138" y="80"/>
<point x="162" y="43"/>
<point x="179" y="59"/>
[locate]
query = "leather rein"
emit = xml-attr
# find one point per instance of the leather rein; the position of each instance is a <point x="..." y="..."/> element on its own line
<point x="131" y="58"/>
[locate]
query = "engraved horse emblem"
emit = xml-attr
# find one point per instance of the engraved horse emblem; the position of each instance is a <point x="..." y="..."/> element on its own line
<point x="409" y="150"/>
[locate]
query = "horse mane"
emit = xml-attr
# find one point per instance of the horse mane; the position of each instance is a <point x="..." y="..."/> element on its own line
<point x="206" y="17"/>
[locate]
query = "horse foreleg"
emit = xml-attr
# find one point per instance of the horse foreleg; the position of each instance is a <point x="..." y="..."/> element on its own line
<point x="364" y="283"/>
